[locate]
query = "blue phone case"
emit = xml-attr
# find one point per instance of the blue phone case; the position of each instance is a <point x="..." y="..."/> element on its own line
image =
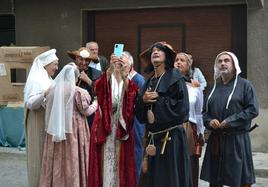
<point x="118" y="49"/>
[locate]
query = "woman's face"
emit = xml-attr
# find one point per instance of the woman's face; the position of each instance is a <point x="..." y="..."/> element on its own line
<point x="158" y="57"/>
<point x="52" y="68"/>
<point x="182" y="64"/>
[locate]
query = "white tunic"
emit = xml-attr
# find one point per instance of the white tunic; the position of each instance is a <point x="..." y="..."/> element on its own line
<point x="195" y="109"/>
<point x="112" y="145"/>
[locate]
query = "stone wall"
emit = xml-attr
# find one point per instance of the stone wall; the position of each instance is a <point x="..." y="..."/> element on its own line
<point x="257" y="67"/>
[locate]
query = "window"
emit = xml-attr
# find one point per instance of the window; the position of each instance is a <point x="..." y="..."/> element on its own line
<point x="18" y="76"/>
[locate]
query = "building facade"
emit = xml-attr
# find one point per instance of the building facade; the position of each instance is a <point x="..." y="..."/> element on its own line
<point x="202" y="27"/>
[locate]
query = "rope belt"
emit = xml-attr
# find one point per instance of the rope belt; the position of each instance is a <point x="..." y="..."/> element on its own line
<point x="164" y="140"/>
<point x="162" y="131"/>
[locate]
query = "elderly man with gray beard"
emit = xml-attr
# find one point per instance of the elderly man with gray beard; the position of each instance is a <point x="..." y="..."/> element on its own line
<point x="230" y="107"/>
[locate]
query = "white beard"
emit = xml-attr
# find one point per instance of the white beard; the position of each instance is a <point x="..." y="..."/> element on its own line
<point x="224" y="72"/>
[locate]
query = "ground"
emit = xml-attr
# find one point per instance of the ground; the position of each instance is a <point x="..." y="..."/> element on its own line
<point x="13" y="172"/>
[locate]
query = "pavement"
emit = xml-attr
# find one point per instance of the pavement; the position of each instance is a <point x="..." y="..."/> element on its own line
<point x="260" y="161"/>
<point x="13" y="171"/>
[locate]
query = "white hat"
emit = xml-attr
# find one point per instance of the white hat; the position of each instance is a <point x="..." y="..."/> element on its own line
<point x="235" y="60"/>
<point x="217" y="75"/>
<point x="47" y="57"/>
<point x="38" y="80"/>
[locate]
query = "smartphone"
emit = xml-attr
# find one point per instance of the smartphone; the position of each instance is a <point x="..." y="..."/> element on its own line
<point x="118" y="49"/>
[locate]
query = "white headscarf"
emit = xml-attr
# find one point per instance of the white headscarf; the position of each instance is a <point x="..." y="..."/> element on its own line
<point x="59" y="107"/>
<point x="217" y="75"/>
<point x="38" y="80"/>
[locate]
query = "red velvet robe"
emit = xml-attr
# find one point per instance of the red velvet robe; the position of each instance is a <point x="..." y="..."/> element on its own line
<point x="101" y="128"/>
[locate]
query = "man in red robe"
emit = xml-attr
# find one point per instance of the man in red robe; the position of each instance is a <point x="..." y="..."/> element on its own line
<point x="112" y="157"/>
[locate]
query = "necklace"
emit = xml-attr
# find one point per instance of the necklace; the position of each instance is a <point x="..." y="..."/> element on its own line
<point x="150" y="114"/>
<point x="151" y="149"/>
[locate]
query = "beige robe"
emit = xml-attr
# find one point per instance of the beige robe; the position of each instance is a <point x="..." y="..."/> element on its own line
<point x="35" y="133"/>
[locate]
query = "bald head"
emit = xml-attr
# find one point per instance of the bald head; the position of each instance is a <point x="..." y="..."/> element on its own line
<point x="93" y="47"/>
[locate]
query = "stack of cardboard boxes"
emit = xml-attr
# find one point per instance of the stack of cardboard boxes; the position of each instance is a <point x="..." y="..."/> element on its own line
<point x="15" y="64"/>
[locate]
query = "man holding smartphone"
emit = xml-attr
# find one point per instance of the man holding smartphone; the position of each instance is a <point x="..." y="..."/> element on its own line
<point x="112" y="134"/>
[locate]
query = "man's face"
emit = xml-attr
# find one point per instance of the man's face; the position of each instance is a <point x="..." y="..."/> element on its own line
<point x="225" y="65"/>
<point x="94" y="49"/>
<point x="81" y="63"/>
<point x="157" y="57"/>
<point x="52" y="68"/>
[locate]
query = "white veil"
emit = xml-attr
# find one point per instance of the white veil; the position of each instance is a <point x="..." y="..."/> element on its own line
<point x="38" y="80"/>
<point x="59" y="108"/>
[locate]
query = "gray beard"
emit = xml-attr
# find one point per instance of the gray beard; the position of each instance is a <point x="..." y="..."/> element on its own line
<point x="224" y="72"/>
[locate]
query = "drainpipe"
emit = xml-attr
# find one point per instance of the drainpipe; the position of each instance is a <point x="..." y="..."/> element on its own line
<point x="12" y="7"/>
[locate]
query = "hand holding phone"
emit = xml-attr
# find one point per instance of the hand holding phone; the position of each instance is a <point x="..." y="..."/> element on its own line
<point x="118" y="50"/>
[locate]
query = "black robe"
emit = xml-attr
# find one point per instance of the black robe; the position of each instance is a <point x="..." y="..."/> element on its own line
<point x="173" y="168"/>
<point x="228" y="157"/>
<point x="93" y="74"/>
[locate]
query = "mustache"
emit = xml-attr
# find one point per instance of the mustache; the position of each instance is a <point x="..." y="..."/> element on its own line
<point x="222" y="68"/>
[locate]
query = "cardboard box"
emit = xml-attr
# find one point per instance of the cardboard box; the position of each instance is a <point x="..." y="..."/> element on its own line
<point x="15" y="64"/>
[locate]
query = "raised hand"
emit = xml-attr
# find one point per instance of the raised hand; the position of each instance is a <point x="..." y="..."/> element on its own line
<point x="83" y="76"/>
<point x="150" y="96"/>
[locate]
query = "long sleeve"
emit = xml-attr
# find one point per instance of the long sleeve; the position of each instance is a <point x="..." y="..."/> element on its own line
<point x="35" y="101"/>
<point x="198" y="75"/>
<point x="83" y="99"/>
<point x="198" y="110"/>
<point x="173" y="107"/>
<point x="249" y="111"/>
<point x="140" y="106"/>
<point x="206" y="116"/>
<point x="140" y="109"/>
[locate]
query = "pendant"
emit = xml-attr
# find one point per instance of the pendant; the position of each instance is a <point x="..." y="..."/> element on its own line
<point x="151" y="150"/>
<point x="150" y="116"/>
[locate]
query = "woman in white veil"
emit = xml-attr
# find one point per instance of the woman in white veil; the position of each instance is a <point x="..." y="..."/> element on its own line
<point x="66" y="147"/>
<point x="36" y="88"/>
<point x="59" y="108"/>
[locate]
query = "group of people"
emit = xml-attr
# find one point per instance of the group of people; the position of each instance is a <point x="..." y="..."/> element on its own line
<point x="99" y="123"/>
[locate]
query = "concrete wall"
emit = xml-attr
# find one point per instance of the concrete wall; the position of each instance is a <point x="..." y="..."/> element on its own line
<point x="258" y="71"/>
<point x="48" y="24"/>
